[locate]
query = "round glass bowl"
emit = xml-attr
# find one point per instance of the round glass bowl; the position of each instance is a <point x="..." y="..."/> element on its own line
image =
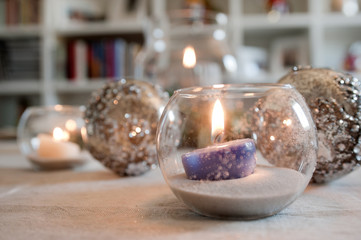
<point x="50" y="137"/>
<point x="237" y="151"/>
<point x="187" y="48"/>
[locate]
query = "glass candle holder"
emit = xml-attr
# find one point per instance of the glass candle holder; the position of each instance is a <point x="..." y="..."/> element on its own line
<point x="51" y="137"/>
<point x="187" y="48"/>
<point x="237" y="151"/>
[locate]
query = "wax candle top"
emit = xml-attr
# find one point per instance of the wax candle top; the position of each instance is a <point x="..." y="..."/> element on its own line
<point x="230" y="160"/>
<point x="248" y="145"/>
<point x="56" y="147"/>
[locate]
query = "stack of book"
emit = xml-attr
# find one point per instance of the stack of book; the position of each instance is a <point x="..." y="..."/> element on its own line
<point x="19" y="59"/>
<point x="99" y="59"/>
<point x="16" y="12"/>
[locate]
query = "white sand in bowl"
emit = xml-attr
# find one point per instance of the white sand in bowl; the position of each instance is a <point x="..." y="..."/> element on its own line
<point x="261" y="194"/>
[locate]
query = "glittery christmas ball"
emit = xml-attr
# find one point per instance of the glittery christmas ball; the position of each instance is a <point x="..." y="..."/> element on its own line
<point x="121" y="122"/>
<point x="335" y="102"/>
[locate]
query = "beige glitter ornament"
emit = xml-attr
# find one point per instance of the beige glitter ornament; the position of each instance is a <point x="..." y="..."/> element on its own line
<point x="335" y="102"/>
<point x="121" y="121"/>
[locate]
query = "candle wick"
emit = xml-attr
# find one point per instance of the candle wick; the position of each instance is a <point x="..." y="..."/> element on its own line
<point x="218" y="138"/>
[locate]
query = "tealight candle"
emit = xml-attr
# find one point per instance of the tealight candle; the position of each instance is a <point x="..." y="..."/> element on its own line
<point x="57" y="146"/>
<point x="229" y="160"/>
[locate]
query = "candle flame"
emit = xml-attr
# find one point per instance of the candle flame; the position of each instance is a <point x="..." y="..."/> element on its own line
<point x="189" y="57"/>
<point x="217" y="119"/>
<point x="287" y="122"/>
<point x="60" y="135"/>
<point x="70" y="125"/>
<point x="84" y="134"/>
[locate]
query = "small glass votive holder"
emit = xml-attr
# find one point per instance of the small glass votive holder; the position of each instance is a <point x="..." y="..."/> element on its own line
<point x="237" y="151"/>
<point x="51" y="136"/>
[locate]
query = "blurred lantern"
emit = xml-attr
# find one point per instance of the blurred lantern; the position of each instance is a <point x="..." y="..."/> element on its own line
<point x="187" y="48"/>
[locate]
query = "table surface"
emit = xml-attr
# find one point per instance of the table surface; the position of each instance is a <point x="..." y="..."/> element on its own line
<point x="93" y="203"/>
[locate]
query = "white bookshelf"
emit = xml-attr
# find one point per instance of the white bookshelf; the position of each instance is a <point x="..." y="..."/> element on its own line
<point x="86" y="29"/>
<point x="19" y="87"/>
<point x="80" y="86"/>
<point x="339" y="20"/>
<point x="327" y="34"/>
<point x="64" y="90"/>
<point x="20" y="31"/>
<point x="261" y="22"/>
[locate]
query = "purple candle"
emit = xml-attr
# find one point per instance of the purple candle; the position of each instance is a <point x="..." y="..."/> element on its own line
<point x="229" y="160"/>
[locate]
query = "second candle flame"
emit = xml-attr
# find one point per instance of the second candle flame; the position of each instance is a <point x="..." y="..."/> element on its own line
<point x="60" y="135"/>
<point x="189" y="57"/>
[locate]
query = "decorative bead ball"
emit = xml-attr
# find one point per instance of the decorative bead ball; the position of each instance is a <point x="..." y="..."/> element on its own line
<point x="121" y="122"/>
<point x="335" y="102"/>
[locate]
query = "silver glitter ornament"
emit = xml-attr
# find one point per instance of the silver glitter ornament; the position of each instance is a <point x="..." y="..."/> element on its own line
<point x="335" y="102"/>
<point x="121" y="121"/>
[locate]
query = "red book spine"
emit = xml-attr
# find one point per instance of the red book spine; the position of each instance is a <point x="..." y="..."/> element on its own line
<point x="36" y="11"/>
<point x="71" y="61"/>
<point x="16" y="12"/>
<point x="9" y="6"/>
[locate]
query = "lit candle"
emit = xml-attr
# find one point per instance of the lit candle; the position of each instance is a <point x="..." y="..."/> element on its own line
<point x="189" y="57"/>
<point x="217" y="122"/>
<point x="57" y="147"/>
<point x="229" y="160"/>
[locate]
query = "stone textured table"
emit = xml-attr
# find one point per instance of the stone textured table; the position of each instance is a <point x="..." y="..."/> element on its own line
<point x="91" y="202"/>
